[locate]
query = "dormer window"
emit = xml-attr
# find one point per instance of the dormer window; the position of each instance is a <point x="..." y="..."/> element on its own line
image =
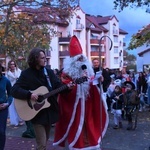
<point x="92" y="26"/>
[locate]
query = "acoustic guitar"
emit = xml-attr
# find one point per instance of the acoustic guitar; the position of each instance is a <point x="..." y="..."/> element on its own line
<point x="27" y="110"/>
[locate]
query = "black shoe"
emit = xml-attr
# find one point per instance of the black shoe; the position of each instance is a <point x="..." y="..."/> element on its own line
<point x="129" y="126"/>
<point x="120" y="124"/>
<point x="27" y="134"/>
<point x="116" y="127"/>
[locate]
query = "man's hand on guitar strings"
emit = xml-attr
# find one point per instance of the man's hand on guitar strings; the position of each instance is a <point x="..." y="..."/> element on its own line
<point x="71" y="85"/>
<point x="34" y="97"/>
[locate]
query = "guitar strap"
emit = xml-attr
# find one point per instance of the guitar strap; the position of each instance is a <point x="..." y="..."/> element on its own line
<point x="47" y="77"/>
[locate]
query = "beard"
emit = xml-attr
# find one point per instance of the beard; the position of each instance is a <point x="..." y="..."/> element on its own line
<point x="73" y="68"/>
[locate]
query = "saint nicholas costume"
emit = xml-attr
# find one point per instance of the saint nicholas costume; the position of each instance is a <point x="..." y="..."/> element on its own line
<point x="83" y="115"/>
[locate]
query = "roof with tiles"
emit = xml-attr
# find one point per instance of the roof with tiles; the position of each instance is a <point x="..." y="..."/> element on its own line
<point x="44" y="15"/>
<point x="93" y="20"/>
<point x="98" y="21"/>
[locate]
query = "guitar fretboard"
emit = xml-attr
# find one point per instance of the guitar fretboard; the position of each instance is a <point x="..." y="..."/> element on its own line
<point x="62" y="88"/>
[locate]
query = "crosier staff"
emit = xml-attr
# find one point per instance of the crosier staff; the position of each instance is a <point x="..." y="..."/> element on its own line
<point x="100" y="69"/>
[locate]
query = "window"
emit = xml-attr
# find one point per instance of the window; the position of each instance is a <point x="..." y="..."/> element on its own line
<point x="77" y="21"/>
<point x="92" y="26"/>
<point x="115" y="49"/>
<point x="120" y="43"/>
<point x="116" y="39"/>
<point x="94" y="36"/>
<point x="116" y="60"/>
<point x="94" y="48"/>
<point x="77" y="34"/>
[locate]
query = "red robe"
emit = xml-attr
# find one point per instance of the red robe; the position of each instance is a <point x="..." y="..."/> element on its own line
<point x="83" y="122"/>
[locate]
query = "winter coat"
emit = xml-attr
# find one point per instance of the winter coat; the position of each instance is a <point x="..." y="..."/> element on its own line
<point x="118" y="103"/>
<point x="131" y="98"/>
<point x="31" y="79"/>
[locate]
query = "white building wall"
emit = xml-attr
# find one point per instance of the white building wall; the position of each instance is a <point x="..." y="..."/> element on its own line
<point x="146" y="58"/>
<point x="82" y="36"/>
<point x="142" y="60"/>
<point x="54" y="60"/>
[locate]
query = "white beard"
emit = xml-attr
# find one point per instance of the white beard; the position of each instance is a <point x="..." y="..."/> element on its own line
<point x="73" y="68"/>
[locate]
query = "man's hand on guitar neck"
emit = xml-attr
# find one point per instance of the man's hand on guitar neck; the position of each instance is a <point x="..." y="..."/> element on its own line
<point x="34" y="97"/>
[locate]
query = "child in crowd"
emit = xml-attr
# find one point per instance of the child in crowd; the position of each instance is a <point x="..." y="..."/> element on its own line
<point x="131" y="102"/>
<point x="117" y="100"/>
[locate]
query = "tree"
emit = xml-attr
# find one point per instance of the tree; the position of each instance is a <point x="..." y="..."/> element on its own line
<point x="131" y="61"/>
<point x="143" y="36"/>
<point x="27" y="24"/>
<point x="121" y="4"/>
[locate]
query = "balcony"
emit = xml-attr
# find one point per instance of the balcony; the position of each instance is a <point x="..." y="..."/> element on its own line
<point x="79" y="26"/>
<point x="94" y="42"/>
<point x="96" y="53"/>
<point x="64" y="53"/>
<point x="64" y="40"/>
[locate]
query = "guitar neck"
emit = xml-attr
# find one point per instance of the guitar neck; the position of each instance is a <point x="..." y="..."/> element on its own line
<point x="62" y="88"/>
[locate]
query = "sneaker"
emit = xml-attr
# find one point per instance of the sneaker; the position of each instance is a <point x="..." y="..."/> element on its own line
<point x="141" y="109"/>
<point x="116" y="127"/>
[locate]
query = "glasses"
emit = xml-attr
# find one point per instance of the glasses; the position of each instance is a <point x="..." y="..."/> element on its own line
<point x="12" y="64"/>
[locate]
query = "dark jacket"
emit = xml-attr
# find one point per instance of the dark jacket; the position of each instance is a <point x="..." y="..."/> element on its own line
<point x="118" y="104"/>
<point x="131" y="98"/>
<point x="106" y="76"/>
<point x="31" y="79"/>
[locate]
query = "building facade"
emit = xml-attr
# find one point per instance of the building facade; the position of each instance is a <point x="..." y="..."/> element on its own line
<point x="97" y="34"/>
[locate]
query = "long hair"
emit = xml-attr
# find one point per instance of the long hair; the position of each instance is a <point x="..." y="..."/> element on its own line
<point x="33" y="57"/>
<point x="9" y="64"/>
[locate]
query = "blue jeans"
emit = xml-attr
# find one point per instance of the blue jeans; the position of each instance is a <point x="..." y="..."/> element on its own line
<point x="142" y="102"/>
<point x="3" y="122"/>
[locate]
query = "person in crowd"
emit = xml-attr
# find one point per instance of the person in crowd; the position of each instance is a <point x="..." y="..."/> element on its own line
<point x="105" y="74"/>
<point x="131" y="102"/>
<point x="34" y="77"/>
<point x="5" y="102"/>
<point x="13" y="73"/>
<point x="142" y="89"/>
<point x="148" y="88"/>
<point x="132" y="78"/>
<point x="110" y="90"/>
<point x="83" y="116"/>
<point x="117" y="100"/>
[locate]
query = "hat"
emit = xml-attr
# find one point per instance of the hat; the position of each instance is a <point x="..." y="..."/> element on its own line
<point x="118" y="82"/>
<point x="74" y="47"/>
<point x="126" y="83"/>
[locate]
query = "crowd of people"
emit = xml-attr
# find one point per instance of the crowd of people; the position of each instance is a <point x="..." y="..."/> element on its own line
<point x="79" y="97"/>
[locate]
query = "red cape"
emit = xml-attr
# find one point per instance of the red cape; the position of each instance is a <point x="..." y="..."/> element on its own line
<point x="82" y="122"/>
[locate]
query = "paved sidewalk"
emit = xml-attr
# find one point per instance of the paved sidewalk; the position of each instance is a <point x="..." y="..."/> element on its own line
<point x="120" y="139"/>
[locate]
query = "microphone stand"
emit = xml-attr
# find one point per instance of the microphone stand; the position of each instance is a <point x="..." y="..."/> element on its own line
<point x="100" y="84"/>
